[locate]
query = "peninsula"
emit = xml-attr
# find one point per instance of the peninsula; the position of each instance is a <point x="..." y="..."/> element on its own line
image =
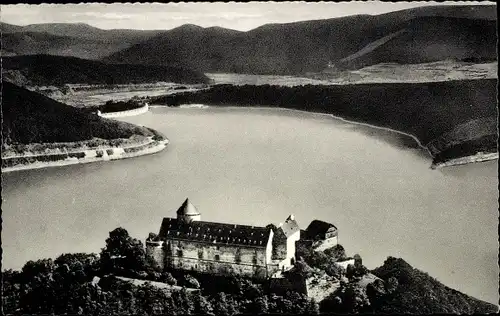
<point x="40" y="132"/>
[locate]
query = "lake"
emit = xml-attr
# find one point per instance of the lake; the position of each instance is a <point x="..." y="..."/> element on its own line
<point x="257" y="166"/>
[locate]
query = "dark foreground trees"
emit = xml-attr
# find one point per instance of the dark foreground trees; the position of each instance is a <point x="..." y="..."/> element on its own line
<point x="83" y="284"/>
<point x="123" y="254"/>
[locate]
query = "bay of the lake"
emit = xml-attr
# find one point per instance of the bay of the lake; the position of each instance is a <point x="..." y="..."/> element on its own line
<point x="257" y="166"/>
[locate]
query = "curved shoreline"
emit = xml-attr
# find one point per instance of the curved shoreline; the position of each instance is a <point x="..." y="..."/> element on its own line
<point x="303" y="111"/>
<point x="91" y="155"/>
<point x="478" y="157"/>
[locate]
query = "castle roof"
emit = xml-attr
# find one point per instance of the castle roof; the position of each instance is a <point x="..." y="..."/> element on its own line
<point x="187" y="209"/>
<point x="217" y="233"/>
<point x="318" y="228"/>
<point x="290" y="226"/>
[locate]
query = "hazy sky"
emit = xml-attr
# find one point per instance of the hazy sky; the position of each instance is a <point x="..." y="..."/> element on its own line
<point x="239" y="16"/>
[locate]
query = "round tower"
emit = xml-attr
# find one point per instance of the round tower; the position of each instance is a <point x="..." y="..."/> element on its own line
<point x="188" y="213"/>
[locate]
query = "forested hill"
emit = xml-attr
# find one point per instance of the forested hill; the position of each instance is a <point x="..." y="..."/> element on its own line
<point x="44" y="70"/>
<point x="418" y="293"/>
<point x="29" y="117"/>
<point x="430" y="34"/>
<point x="428" y="39"/>
<point x="68" y="39"/>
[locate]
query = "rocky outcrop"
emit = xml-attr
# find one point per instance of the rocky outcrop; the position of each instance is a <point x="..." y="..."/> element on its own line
<point x="44" y="160"/>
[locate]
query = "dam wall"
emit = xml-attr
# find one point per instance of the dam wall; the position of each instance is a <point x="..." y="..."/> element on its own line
<point x="133" y="112"/>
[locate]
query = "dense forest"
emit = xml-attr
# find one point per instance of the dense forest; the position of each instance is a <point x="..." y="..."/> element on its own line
<point x="64" y="286"/>
<point x="91" y="284"/>
<point x="117" y="106"/>
<point x="411" y="36"/>
<point x="47" y="70"/>
<point x="425" y="110"/>
<point x="29" y="117"/>
<point x="68" y="39"/>
<point x="416" y="35"/>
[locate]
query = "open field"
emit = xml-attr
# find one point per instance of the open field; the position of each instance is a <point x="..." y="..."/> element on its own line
<point x="427" y="72"/>
<point x="381" y="73"/>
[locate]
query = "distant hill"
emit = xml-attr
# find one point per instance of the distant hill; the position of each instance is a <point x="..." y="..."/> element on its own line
<point x="44" y="70"/>
<point x="428" y="39"/>
<point x="418" y="293"/>
<point x="187" y="46"/>
<point x="10" y="28"/>
<point x="85" y="31"/>
<point x="29" y="117"/>
<point x="430" y="34"/>
<point x="66" y="39"/>
<point x="32" y="43"/>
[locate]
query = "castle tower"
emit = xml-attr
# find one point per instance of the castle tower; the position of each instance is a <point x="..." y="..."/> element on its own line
<point x="188" y="213"/>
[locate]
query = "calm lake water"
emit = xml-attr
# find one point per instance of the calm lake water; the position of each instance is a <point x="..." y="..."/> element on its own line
<point x="257" y="166"/>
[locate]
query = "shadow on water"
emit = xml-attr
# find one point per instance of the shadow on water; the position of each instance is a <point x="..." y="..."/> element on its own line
<point x="36" y="177"/>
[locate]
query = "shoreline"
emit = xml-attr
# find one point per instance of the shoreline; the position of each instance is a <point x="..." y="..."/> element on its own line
<point x="302" y="111"/>
<point x="478" y="157"/>
<point x="143" y="109"/>
<point x="90" y="155"/>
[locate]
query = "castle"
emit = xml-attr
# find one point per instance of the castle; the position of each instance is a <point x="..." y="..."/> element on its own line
<point x="187" y="243"/>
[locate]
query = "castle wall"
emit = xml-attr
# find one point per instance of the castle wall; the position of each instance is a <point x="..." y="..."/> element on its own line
<point x="345" y="263"/>
<point x="155" y="250"/>
<point x="218" y="259"/>
<point x="269" y="247"/>
<point x="279" y="251"/>
<point x="290" y="245"/>
<point x="325" y="244"/>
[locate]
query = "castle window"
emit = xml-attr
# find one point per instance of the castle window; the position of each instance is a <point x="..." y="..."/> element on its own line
<point x="179" y="253"/>
<point x="217" y="257"/>
<point x="200" y="253"/>
<point x="254" y="259"/>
